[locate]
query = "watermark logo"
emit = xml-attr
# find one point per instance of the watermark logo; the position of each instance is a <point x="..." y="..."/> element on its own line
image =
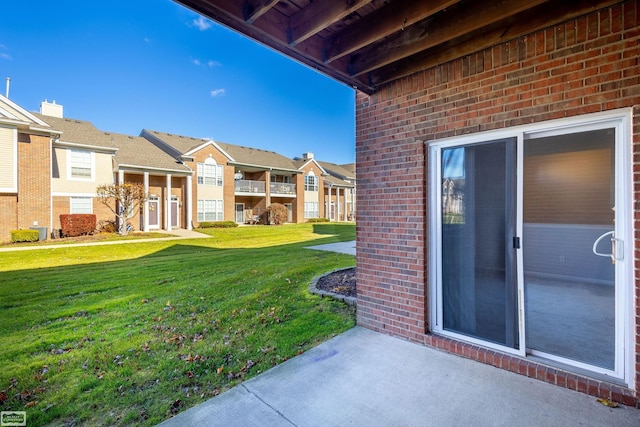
<point x="13" y="418"/>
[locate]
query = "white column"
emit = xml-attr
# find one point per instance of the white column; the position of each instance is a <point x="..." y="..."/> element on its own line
<point x="167" y="208"/>
<point x="188" y="203"/>
<point x="118" y="207"/>
<point x="146" y="203"/>
<point x="338" y="204"/>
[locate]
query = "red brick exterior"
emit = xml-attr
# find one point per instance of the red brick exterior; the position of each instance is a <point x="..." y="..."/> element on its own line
<point x="586" y="65"/>
<point x="32" y="203"/>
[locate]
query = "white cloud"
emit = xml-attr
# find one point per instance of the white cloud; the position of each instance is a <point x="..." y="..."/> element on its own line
<point x="217" y="92"/>
<point x="146" y="40"/>
<point x="201" y="23"/>
<point x="196" y="62"/>
<point x="5" y="56"/>
<point x="213" y="64"/>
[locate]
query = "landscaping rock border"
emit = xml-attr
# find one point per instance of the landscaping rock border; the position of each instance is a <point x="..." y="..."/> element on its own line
<point x="313" y="288"/>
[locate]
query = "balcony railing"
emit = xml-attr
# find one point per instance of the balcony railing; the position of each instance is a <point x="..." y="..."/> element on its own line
<point x="282" y="188"/>
<point x="248" y="186"/>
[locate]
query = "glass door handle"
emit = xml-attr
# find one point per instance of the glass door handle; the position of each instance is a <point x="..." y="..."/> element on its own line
<point x="616" y="247"/>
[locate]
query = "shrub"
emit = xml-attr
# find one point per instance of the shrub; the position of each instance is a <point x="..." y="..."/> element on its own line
<point x="218" y="224"/>
<point x="24" y="236"/>
<point x="318" y="220"/>
<point x="278" y="213"/>
<point x="77" y="224"/>
<point x="107" y="226"/>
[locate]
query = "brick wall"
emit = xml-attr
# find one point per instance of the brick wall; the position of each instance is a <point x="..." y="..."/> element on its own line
<point x="585" y="65"/>
<point x="9" y="215"/>
<point x="34" y="180"/>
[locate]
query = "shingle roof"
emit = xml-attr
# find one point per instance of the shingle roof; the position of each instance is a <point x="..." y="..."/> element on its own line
<point x="258" y="157"/>
<point x="181" y="144"/>
<point x="241" y="155"/>
<point x="131" y="150"/>
<point x="139" y="152"/>
<point x="337" y="170"/>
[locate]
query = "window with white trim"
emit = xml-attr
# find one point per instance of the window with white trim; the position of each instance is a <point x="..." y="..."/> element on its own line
<point x="210" y="173"/>
<point x="210" y="210"/>
<point x="80" y="205"/>
<point x="310" y="182"/>
<point x="9" y="156"/>
<point x="80" y="164"/>
<point x="311" y="210"/>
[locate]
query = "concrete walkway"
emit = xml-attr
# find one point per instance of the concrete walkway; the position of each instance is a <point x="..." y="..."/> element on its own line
<point x="363" y="378"/>
<point x="341" y="247"/>
<point x="179" y="234"/>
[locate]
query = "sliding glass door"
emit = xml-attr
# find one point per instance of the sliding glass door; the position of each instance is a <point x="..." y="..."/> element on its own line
<point x="569" y="203"/>
<point x="528" y="229"/>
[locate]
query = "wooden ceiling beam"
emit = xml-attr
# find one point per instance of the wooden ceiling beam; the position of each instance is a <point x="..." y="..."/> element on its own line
<point x="320" y="15"/>
<point x="453" y="23"/>
<point x="516" y="26"/>
<point x="391" y="18"/>
<point x="255" y="9"/>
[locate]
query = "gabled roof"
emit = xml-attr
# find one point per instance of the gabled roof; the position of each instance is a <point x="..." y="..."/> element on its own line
<point x="302" y="163"/>
<point x="338" y="171"/>
<point x="130" y="151"/>
<point x="12" y="113"/>
<point x="180" y="145"/>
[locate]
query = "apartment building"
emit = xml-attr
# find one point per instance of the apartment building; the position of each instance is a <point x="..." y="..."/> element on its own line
<point x="55" y="165"/>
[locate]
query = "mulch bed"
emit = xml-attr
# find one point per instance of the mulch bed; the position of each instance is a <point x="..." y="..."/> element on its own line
<point x="341" y="282"/>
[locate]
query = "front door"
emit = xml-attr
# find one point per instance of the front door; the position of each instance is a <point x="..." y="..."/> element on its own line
<point x="530" y="255"/>
<point x="289" y="207"/>
<point x="153" y="211"/>
<point x="240" y="213"/>
<point x="174" y="211"/>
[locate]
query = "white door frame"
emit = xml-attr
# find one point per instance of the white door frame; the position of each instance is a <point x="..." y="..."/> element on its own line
<point x="625" y="325"/>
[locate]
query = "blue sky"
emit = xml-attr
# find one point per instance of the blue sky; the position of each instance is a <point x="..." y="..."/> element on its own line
<point x="125" y="65"/>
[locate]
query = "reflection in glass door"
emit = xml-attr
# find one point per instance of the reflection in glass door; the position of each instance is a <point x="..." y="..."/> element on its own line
<point x="568" y="203"/>
<point x="479" y="283"/>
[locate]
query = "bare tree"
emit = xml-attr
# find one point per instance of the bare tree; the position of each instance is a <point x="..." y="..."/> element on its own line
<point x="128" y="198"/>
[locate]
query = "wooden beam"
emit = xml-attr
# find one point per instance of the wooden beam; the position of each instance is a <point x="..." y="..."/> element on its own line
<point x="517" y="26"/>
<point x="451" y="24"/>
<point x="270" y="30"/>
<point x="255" y="9"/>
<point x="320" y="15"/>
<point x="391" y="18"/>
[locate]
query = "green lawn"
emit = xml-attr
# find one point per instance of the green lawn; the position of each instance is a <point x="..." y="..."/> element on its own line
<point x="129" y="334"/>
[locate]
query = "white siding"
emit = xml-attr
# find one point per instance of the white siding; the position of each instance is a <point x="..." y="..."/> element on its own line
<point x="8" y="160"/>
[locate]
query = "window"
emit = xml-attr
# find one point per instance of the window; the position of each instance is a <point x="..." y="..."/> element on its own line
<point x="310" y="182"/>
<point x="210" y="210"/>
<point x="311" y="209"/>
<point x="9" y="156"/>
<point x="210" y="173"/>
<point x="80" y="205"/>
<point x="80" y="162"/>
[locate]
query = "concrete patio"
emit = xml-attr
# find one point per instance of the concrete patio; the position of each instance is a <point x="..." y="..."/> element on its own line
<point x="363" y="378"/>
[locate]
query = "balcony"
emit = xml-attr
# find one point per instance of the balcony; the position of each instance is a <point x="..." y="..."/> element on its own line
<point x="248" y="187"/>
<point x="282" y="189"/>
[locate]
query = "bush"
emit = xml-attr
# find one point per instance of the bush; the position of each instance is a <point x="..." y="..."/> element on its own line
<point x="108" y="226"/>
<point x="24" y="236"/>
<point x="318" y="220"/>
<point x="278" y="213"/>
<point x="77" y="224"/>
<point x="218" y="224"/>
